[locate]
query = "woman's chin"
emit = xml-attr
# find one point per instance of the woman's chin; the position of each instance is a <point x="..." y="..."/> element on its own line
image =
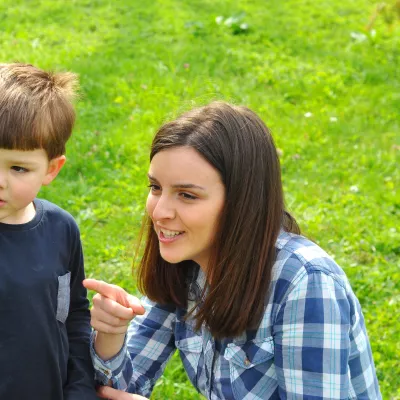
<point x="172" y="259"/>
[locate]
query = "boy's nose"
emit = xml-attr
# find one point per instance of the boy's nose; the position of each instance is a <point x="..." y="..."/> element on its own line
<point x="3" y="181"/>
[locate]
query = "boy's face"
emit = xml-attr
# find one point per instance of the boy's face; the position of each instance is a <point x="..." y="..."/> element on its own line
<point x="22" y="174"/>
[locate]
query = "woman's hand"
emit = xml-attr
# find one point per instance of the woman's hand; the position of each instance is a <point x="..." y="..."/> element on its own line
<point x="112" y="310"/>
<point x="106" y="392"/>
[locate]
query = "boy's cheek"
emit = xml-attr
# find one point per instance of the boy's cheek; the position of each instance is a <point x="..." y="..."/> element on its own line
<point x="26" y="194"/>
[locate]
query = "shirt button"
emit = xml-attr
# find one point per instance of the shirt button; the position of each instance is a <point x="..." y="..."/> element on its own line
<point x="105" y="371"/>
<point x="246" y="362"/>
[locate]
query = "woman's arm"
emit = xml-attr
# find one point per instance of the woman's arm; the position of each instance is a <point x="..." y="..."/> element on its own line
<point x="113" y="394"/>
<point x="133" y="362"/>
<point x="321" y="352"/>
<point x="111" y="313"/>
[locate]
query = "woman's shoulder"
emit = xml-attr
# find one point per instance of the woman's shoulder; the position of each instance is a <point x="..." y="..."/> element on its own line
<point x="298" y="256"/>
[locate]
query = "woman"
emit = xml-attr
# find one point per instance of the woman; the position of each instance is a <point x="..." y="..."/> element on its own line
<point x="256" y="310"/>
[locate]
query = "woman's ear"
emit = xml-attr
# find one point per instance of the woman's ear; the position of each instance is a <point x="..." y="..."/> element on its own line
<point x="53" y="169"/>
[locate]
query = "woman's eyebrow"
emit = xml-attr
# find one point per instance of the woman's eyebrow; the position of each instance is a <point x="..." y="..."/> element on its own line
<point x="188" y="186"/>
<point x="179" y="185"/>
<point x="152" y="178"/>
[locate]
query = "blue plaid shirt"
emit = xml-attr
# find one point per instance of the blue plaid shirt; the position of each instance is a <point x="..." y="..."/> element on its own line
<point x="311" y="343"/>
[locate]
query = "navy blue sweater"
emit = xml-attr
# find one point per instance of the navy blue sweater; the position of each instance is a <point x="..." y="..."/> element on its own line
<point x="44" y="316"/>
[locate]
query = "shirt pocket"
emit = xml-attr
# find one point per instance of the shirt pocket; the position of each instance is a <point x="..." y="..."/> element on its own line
<point x="63" y="297"/>
<point x="190" y="346"/>
<point x="251" y="368"/>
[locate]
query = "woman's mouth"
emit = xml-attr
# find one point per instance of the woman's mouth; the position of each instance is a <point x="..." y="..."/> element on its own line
<point x="167" y="236"/>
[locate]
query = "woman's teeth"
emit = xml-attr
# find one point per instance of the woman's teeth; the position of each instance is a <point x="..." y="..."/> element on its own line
<point x="169" y="234"/>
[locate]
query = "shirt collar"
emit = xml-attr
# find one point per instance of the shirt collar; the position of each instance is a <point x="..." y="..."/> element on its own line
<point x="196" y="280"/>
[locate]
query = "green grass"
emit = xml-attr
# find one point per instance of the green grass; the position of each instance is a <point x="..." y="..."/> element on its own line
<point x="143" y="62"/>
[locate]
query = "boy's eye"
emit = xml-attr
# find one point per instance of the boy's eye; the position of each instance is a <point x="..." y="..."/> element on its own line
<point x="16" y="168"/>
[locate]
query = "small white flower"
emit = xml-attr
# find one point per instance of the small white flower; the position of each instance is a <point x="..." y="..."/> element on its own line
<point x="354" y="189"/>
<point x="358" y="37"/>
<point x="229" y="21"/>
<point x="35" y="43"/>
<point x="308" y="115"/>
<point x="219" y="19"/>
<point x="333" y="119"/>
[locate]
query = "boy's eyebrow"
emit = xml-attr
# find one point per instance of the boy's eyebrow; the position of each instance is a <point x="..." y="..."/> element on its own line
<point x="23" y="162"/>
<point x="180" y="185"/>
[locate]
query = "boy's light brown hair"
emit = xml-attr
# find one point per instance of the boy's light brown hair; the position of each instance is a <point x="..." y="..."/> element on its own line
<point x="36" y="108"/>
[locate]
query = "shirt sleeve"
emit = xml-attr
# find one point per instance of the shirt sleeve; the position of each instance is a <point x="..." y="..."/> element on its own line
<point x="80" y="378"/>
<point x="320" y="353"/>
<point x="149" y="344"/>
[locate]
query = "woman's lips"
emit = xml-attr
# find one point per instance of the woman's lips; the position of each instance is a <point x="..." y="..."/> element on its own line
<point x="164" y="239"/>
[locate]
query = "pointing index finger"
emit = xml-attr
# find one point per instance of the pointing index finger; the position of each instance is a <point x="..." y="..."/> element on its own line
<point x="110" y="291"/>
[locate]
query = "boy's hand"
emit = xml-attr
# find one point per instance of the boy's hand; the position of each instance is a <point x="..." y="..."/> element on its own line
<point x="106" y="392"/>
<point x="113" y="308"/>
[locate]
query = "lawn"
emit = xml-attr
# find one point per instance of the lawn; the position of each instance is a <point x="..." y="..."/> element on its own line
<point x="328" y="89"/>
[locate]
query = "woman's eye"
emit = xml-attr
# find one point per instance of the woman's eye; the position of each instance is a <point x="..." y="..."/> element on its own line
<point x="16" y="168"/>
<point x="154" y="188"/>
<point x="188" y="196"/>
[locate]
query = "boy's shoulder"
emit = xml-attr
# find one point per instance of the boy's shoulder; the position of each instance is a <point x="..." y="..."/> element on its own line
<point x="55" y="214"/>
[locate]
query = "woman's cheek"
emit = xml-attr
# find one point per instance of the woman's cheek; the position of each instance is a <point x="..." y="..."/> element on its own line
<point x="151" y="204"/>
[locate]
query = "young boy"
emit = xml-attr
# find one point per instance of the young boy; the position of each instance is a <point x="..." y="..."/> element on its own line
<point x="44" y="317"/>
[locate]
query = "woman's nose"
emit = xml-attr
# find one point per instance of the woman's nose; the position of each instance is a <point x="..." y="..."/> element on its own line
<point x="163" y="209"/>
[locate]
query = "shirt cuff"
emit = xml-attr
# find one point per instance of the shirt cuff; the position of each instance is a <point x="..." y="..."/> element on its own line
<point x="111" y="369"/>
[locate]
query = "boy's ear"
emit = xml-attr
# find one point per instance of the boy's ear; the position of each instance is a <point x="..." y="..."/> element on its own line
<point x="53" y="169"/>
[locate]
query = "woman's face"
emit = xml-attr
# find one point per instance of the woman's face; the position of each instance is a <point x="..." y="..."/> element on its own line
<point x="185" y="201"/>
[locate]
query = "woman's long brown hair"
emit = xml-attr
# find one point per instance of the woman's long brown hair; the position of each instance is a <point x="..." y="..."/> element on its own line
<point x="240" y="147"/>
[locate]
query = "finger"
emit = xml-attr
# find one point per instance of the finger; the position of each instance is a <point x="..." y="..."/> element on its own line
<point x="112" y="307"/>
<point x="111" y="291"/>
<point x="106" y="392"/>
<point x="100" y="315"/>
<point x="102" y="327"/>
<point x="135" y="305"/>
<point x="102" y="393"/>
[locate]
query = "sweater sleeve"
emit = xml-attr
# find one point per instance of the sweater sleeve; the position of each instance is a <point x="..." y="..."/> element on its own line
<point x="80" y="379"/>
